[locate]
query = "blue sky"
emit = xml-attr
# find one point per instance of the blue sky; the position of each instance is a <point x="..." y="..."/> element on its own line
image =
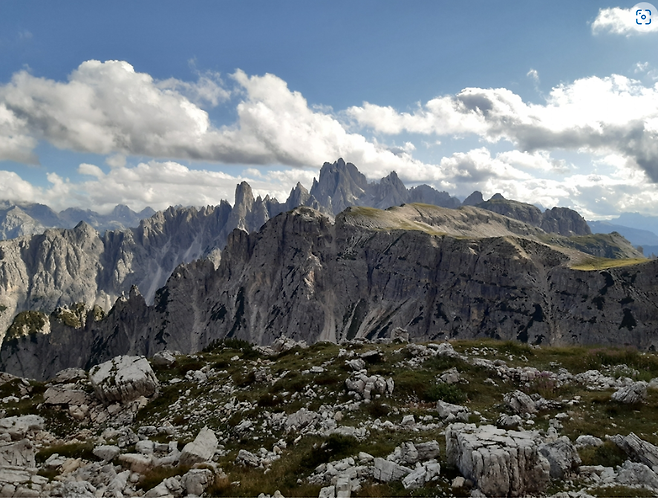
<point x="159" y="103"/>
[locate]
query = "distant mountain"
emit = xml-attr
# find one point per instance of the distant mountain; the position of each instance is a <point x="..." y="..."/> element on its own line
<point x="434" y="272"/>
<point x="24" y="219"/>
<point x="49" y="268"/>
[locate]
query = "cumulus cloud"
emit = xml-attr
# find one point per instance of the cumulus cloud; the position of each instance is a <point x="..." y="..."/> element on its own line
<point x="109" y="108"/>
<point x="156" y="184"/>
<point x="623" y="21"/>
<point x="572" y="118"/>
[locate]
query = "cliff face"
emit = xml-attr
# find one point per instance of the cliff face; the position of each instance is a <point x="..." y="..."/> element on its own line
<point x="428" y="270"/>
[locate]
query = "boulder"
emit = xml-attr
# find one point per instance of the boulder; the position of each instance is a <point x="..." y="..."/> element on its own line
<point x="247" y="458"/>
<point x="19" y="426"/>
<point x="428" y="450"/>
<point x="164" y="359"/>
<point x="588" y="441"/>
<point x="637" y="449"/>
<point x="501" y="463"/>
<point x="106" y="452"/>
<point x="388" y="471"/>
<point x="60" y="395"/>
<point x="123" y="379"/>
<point x="635" y="393"/>
<point x="73" y="489"/>
<point x="196" y="481"/>
<point x="422" y="475"/>
<point x="327" y="492"/>
<point x="562" y="457"/>
<point x="369" y="386"/>
<point x="509" y="422"/>
<point x="450" y="376"/>
<point x="19" y="454"/>
<point x="69" y="375"/>
<point x="450" y="412"/>
<point x="633" y="474"/>
<point x="520" y="403"/>
<point x="202" y="449"/>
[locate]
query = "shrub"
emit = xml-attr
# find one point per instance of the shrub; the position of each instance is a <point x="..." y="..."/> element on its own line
<point x="443" y="391"/>
<point x="335" y="447"/>
<point x="608" y="454"/>
<point x="73" y="450"/>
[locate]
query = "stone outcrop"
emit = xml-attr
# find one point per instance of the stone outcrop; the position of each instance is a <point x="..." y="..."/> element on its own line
<point x="123" y="378"/>
<point x="501" y="463"/>
<point x="201" y="449"/>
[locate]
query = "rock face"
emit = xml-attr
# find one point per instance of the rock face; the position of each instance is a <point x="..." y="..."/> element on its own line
<point x="563" y="221"/>
<point x="501" y="463"/>
<point x="432" y="271"/>
<point x="123" y="378"/>
<point x="201" y="449"/>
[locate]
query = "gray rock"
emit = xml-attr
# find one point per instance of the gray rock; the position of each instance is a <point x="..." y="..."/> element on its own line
<point x="19" y="454"/>
<point x="18" y="426"/>
<point x="106" y="452"/>
<point x="450" y="376"/>
<point x="421" y="475"/>
<point x="356" y="364"/>
<point x="59" y="395"/>
<point x="164" y="359"/>
<point x="509" y="422"/>
<point x="196" y="481"/>
<point x="202" y="449"/>
<point x="520" y="403"/>
<point x="501" y="463"/>
<point x="73" y="489"/>
<point x="588" y="441"/>
<point x="635" y="393"/>
<point x="637" y="449"/>
<point x="387" y="471"/>
<point x="562" y="457"/>
<point x="72" y="374"/>
<point x="247" y="458"/>
<point x="428" y="450"/>
<point x="327" y="492"/>
<point x="123" y="379"/>
<point x="449" y="411"/>
<point x="631" y="474"/>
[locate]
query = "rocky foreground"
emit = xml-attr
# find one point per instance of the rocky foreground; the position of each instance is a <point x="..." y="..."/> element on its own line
<point x="479" y="418"/>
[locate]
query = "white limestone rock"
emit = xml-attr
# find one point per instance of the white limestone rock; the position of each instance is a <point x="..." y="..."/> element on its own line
<point x="520" y="403"/>
<point x="637" y="449"/>
<point x="635" y="393"/>
<point x="123" y="379"/>
<point x="387" y="471"/>
<point x="196" y="481"/>
<point x="562" y="457"/>
<point x="164" y="359"/>
<point x="201" y="449"/>
<point x="588" y="441"/>
<point x="106" y="452"/>
<point x="501" y="463"/>
<point x="20" y="454"/>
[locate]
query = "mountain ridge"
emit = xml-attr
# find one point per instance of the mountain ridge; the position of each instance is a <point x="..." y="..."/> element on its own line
<point x="361" y="275"/>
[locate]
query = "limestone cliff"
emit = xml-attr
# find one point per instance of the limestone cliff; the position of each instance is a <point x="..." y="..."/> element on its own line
<point x="435" y="272"/>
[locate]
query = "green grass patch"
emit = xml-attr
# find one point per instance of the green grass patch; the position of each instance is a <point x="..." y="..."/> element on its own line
<point x="599" y="263"/>
<point x="72" y="450"/>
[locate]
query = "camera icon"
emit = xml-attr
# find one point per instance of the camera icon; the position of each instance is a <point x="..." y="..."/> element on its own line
<point x="643" y="17"/>
<point x="643" y="14"/>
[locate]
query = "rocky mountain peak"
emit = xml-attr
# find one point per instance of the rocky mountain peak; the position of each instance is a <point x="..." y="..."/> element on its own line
<point x="474" y="199"/>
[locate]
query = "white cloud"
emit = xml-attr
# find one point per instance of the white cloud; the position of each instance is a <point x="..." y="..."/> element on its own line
<point x="621" y="22"/>
<point x="534" y="75"/>
<point x="91" y="170"/>
<point x="572" y="118"/>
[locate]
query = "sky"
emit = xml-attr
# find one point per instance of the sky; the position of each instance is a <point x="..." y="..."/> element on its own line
<point x="158" y="103"/>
